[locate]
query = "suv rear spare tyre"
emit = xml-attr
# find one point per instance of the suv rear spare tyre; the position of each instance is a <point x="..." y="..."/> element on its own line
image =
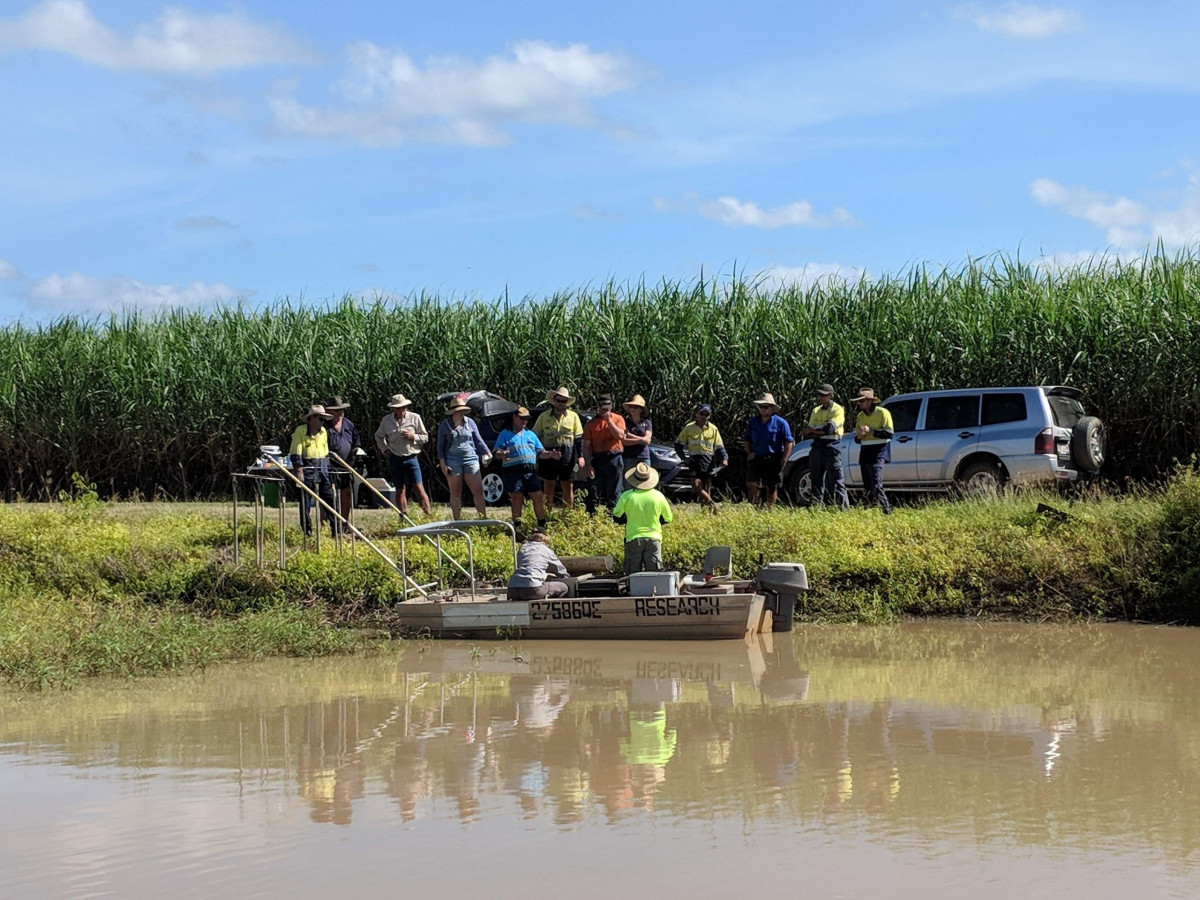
<point x="1088" y="444"/>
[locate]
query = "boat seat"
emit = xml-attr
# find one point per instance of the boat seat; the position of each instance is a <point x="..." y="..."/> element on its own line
<point x="718" y="569"/>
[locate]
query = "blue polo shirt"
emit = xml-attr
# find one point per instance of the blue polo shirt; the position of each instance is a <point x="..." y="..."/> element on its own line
<point x="523" y="448"/>
<point x="769" y="437"/>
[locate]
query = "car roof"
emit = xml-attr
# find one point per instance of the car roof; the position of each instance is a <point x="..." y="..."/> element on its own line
<point x="1050" y="389"/>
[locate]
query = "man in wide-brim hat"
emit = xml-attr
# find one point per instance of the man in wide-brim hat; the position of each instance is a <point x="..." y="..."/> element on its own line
<point x="560" y="430"/>
<point x="645" y="510"/>
<point x="873" y="432"/>
<point x="343" y="441"/>
<point x="400" y="439"/>
<point x="825" y="427"/>
<point x="309" y="452"/>
<point x="769" y="442"/>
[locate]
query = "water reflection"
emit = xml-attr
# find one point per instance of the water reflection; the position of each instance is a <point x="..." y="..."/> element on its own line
<point x="1004" y="735"/>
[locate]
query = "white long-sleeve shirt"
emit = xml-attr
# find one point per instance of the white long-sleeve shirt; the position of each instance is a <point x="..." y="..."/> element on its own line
<point x="389" y="438"/>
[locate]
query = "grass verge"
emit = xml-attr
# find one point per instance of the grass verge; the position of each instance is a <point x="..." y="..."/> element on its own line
<point x="88" y="588"/>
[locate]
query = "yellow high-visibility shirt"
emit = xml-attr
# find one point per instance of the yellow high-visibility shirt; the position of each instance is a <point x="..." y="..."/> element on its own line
<point x="555" y="432"/>
<point x="835" y="416"/>
<point x="309" y="446"/>
<point x="704" y="440"/>
<point x="878" y="419"/>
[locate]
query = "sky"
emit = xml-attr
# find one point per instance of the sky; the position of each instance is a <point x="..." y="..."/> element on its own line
<point x="156" y="156"/>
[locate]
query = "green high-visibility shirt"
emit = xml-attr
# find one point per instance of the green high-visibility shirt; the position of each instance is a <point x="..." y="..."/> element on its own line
<point x="644" y="513"/>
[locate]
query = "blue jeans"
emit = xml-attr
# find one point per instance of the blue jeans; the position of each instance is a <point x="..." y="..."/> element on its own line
<point x="606" y="481"/>
<point x="462" y="462"/>
<point x="825" y="469"/>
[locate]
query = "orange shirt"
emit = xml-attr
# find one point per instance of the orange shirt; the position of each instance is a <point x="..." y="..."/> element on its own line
<point x="600" y="435"/>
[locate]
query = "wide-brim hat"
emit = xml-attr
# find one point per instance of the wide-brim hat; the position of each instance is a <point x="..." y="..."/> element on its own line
<point x="866" y="394"/>
<point x="336" y="403"/>
<point x="641" y="477"/>
<point x="561" y="392"/>
<point x="317" y="410"/>
<point x="767" y="399"/>
<point x="521" y="412"/>
<point x="825" y="389"/>
<point x="638" y="400"/>
<point x="455" y="405"/>
<point x="399" y="401"/>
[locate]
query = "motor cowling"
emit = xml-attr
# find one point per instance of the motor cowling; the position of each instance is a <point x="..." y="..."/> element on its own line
<point x="781" y="584"/>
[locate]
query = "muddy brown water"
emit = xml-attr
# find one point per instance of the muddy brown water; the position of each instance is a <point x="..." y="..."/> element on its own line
<point x="932" y="761"/>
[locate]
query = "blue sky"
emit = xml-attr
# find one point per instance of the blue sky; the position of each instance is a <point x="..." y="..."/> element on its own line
<point x="157" y="156"/>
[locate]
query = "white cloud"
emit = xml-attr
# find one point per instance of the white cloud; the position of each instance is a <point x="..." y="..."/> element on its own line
<point x="77" y="293"/>
<point x="391" y="100"/>
<point x="180" y="41"/>
<point x="1023" y="21"/>
<point x="809" y="275"/>
<point x="1127" y="224"/>
<point x="739" y="213"/>
<point x="202" y="223"/>
<point x="9" y="272"/>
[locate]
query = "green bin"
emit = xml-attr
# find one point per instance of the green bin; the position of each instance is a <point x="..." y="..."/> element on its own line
<point x="270" y="491"/>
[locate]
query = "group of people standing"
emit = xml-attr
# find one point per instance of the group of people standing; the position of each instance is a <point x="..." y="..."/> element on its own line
<point x="611" y="449"/>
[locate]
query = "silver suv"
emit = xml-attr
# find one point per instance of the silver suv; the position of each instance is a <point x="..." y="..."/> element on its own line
<point x="976" y="440"/>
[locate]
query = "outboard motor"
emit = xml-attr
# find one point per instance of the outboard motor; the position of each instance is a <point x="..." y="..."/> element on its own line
<point x="781" y="583"/>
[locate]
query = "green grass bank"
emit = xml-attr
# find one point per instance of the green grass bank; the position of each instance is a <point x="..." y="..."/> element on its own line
<point x="170" y="404"/>
<point x="88" y="588"/>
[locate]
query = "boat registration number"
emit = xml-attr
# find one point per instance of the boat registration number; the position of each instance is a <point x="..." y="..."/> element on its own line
<point x="545" y="610"/>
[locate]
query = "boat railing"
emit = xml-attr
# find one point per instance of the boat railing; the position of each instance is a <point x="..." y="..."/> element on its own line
<point x="435" y="531"/>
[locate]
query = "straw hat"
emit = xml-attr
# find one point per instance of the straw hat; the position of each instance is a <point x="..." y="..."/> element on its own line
<point x="641" y="477"/>
<point x="561" y="392"/>
<point x="866" y="394"/>
<point x="455" y="405"/>
<point x="638" y="401"/>
<point x="824" y="389"/>
<point x="317" y="410"/>
<point x="767" y="399"/>
<point x="336" y="403"/>
<point x="399" y="401"/>
<point x="522" y="412"/>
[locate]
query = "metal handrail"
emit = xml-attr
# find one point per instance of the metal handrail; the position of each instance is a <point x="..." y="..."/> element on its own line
<point x="278" y="465"/>
<point x="440" y="529"/>
<point x="401" y="513"/>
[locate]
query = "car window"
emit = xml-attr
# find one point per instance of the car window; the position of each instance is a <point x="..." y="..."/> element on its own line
<point x="1001" y="408"/>
<point x="1067" y="411"/>
<point x="961" y="411"/>
<point x="904" y="413"/>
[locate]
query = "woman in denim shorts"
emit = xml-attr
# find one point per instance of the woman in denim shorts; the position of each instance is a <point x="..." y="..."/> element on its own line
<point x="460" y="452"/>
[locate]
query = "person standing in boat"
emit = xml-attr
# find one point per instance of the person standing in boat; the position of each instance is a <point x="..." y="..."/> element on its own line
<point x="769" y="443"/>
<point x="344" y="441"/>
<point x="520" y="450"/>
<point x="701" y="444"/>
<point x="603" y="443"/>
<point x="873" y="432"/>
<point x="825" y="427"/>
<point x="538" y="571"/>
<point x="400" y="438"/>
<point x="461" y="452"/>
<point x="309" y="452"/>
<point x="559" y="428"/>
<point x="644" y="510"/>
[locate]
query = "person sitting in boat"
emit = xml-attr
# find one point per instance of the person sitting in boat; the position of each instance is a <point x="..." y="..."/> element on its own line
<point x="645" y="511"/>
<point x="536" y="563"/>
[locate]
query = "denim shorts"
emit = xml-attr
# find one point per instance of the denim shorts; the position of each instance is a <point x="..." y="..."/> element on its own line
<point x="462" y="464"/>
<point x="404" y="471"/>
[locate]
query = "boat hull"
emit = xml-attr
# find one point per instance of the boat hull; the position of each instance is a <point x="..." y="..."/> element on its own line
<point x="682" y="617"/>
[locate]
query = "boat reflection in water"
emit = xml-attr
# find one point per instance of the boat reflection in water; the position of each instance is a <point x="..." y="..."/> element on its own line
<point x="993" y="750"/>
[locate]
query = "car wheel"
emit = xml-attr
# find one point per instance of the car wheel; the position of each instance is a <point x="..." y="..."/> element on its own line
<point x="1088" y="443"/>
<point x="800" y="488"/>
<point x="981" y="480"/>
<point x="493" y="488"/>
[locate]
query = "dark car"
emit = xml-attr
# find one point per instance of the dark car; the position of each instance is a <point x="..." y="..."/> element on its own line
<point x="493" y="413"/>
